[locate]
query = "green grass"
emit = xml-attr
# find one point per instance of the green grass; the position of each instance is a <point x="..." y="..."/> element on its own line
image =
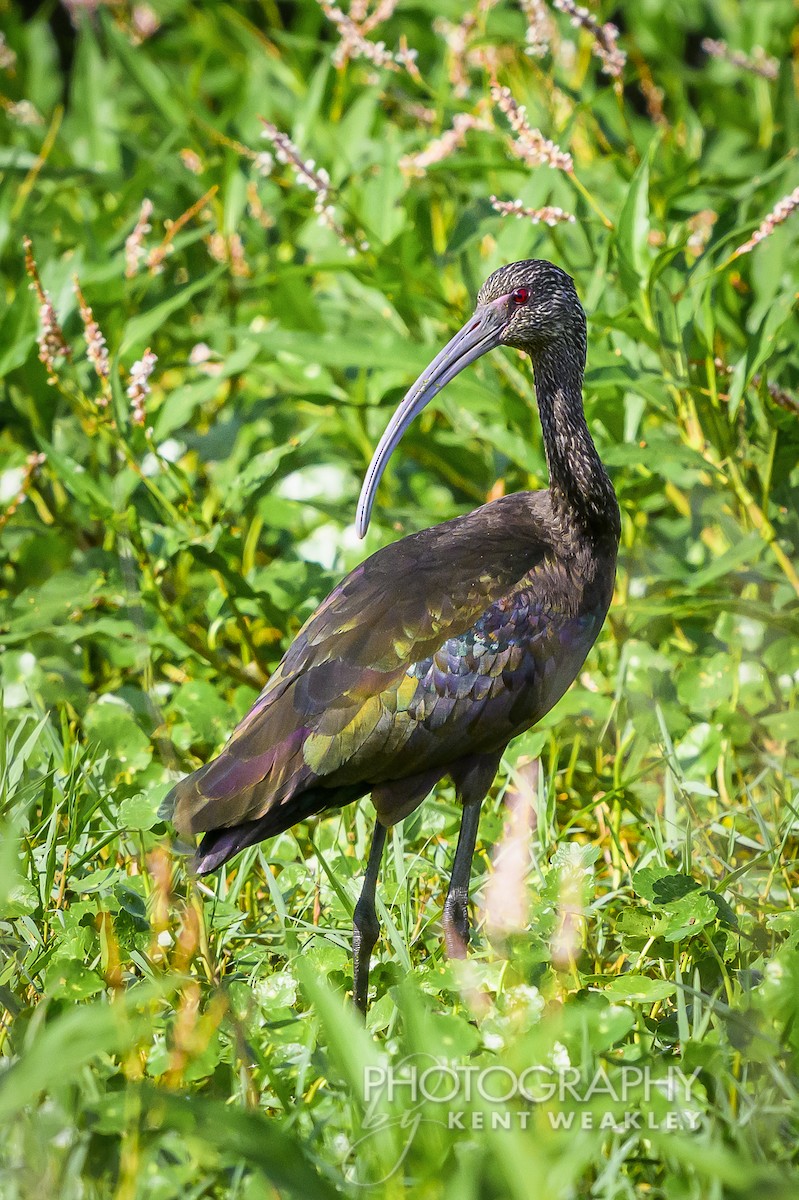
<point x="166" y="1038"/>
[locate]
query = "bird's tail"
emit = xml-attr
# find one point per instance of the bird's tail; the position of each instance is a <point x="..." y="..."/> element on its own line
<point x="218" y="845"/>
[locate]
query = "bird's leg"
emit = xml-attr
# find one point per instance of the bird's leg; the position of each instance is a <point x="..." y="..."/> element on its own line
<point x="456" y="905"/>
<point x="365" y="927"/>
<point x="472" y="778"/>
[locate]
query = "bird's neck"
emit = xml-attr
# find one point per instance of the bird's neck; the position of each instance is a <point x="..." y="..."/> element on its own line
<point x="578" y="482"/>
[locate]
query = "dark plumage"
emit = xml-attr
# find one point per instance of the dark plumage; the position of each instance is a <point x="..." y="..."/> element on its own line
<point x="438" y="649"/>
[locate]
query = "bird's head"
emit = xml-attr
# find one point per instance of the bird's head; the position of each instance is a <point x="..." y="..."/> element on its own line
<point x="531" y="305"/>
<point x="535" y="304"/>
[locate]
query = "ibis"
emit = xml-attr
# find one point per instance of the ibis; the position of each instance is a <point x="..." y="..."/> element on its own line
<point x="429" y="657"/>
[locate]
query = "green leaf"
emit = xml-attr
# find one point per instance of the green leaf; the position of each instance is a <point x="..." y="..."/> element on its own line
<point x="93" y="109"/>
<point x="18" y="896"/>
<point x="784" y="726"/>
<point x="255" y="477"/>
<point x="17" y="335"/>
<point x="687" y="916"/>
<point x="153" y="82"/>
<point x="639" y="989"/>
<point x="182" y="402"/>
<point x="141" y="811"/>
<point x="635" y="922"/>
<point x="208" y="715"/>
<point x="69" y="980"/>
<point x="761" y="346"/>
<point x="140" y="329"/>
<point x="110" y="724"/>
<point x="747" y="550"/>
<point x="661" y="886"/>
<point x="705" y="683"/>
<point x="75" y="478"/>
<point x="632" y="231"/>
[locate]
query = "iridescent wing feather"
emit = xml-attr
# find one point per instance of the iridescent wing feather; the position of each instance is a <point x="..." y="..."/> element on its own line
<point x="436" y="646"/>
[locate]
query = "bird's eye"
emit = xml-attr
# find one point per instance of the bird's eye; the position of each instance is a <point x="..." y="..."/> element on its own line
<point x="520" y="296"/>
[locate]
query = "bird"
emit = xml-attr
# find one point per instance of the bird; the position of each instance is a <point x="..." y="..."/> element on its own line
<point x="438" y="649"/>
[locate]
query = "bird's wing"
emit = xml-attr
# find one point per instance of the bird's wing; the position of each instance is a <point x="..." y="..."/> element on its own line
<point x="345" y="679"/>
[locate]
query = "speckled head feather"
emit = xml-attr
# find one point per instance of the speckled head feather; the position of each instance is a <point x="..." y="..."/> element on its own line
<point x="552" y="312"/>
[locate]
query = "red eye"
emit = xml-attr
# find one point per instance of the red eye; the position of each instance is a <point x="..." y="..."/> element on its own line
<point x="520" y="296"/>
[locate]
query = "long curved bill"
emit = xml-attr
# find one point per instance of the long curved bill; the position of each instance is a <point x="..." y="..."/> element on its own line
<point x="480" y="334"/>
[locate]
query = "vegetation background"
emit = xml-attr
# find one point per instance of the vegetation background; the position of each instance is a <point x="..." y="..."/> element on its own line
<point x="162" y="1037"/>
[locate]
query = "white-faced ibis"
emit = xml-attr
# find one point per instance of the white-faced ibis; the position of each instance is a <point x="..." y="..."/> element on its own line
<point x="441" y="647"/>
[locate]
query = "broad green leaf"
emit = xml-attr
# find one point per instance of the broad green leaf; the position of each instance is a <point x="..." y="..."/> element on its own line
<point x="111" y="725"/>
<point x="687" y="916"/>
<point x="632" y="231"/>
<point x="661" y="886"/>
<point x="639" y="989"/>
